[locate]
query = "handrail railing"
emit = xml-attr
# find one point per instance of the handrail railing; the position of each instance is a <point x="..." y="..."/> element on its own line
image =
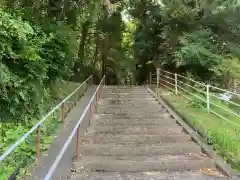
<point x="40" y="122"/>
<point x="206" y="93"/>
<point x="76" y="129"/>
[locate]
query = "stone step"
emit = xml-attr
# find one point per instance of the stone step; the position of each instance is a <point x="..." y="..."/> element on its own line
<point x="117" y="88"/>
<point x="114" y="87"/>
<point x="182" y="175"/>
<point x="117" y="96"/>
<point x="135" y="121"/>
<point x="132" y="98"/>
<point x="142" y="89"/>
<point x="135" y="139"/>
<point x="136" y="116"/>
<point x="122" y="92"/>
<point x="131" y="110"/>
<point x="144" y="163"/>
<point x="126" y="94"/>
<point x="119" y="100"/>
<point x="166" y="129"/>
<point x="103" y="102"/>
<point x="130" y="105"/>
<point x="142" y="150"/>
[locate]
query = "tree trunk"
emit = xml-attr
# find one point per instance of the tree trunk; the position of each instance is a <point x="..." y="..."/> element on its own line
<point x="103" y="57"/>
<point x="96" y="51"/>
<point x="84" y="34"/>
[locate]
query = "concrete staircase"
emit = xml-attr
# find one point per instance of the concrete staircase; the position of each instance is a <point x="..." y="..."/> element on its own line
<point x="133" y="137"/>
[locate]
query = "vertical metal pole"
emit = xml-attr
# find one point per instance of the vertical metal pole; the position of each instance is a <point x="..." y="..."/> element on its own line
<point x="91" y="111"/>
<point x="176" y="84"/>
<point x="158" y="76"/>
<point x="150" y="78"/>
<point x="96" y="96"/>
<point x="76" y="98"/>
<point x="62" y="113"/>
<point x="38" y="144"/>
<point x="78" y="143"/>
<point x="208" y="98"/>
<point x="100" y="91"/>
<point x="96" y="106"/>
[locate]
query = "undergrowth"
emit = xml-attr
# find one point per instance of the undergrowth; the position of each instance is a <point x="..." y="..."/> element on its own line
<point x="23" y="157"/>
<point x="223" y="136"/>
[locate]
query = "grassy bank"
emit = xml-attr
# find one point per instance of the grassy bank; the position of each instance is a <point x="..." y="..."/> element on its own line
<point x="224" y="136"/>
<point x="24" y="155"/>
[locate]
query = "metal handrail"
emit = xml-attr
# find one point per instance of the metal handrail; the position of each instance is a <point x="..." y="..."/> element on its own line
<point x="76" y="129"/>
<point x="202" y="84"/>
<point x="224" y="90"/>
<point x="232" y="112"/>
<point x="167" y="77"/>
<point x="40" y="122"/>
<point x="191" y="93"/>
<point x="178" y="88"/>
<point x="231" y="102"/>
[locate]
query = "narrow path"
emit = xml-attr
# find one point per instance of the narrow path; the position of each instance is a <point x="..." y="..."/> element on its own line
<point x="133" y="137"/>
<point x="48" y="157"/>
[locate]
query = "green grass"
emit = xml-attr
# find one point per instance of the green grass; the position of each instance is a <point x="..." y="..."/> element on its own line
<point x="224" y="137"/>
<point x="24" y="155"/>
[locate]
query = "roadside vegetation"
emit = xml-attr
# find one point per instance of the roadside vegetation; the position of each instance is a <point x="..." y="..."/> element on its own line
<point x="223" y="136"/>
<point x="24" y="156"/>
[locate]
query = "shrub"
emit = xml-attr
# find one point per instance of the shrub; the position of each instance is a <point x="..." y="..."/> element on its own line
<point x="31" y="58"/>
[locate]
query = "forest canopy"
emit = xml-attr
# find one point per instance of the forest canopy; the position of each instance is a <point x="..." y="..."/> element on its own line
<point x="43" y="42"/>
<point x="188" y="36"/>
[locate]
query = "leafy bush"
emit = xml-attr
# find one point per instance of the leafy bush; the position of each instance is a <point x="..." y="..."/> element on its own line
<point x="30" y="59"/>
<point x="60" y="52"/>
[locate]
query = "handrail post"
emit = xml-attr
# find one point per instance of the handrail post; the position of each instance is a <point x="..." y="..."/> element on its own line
<point x="158" y="76"/>
<point x="176" y="84"/>
<point x="76" y="99"/>
<point x="38" y="144"/>
<point x="99" y="93"/>
<point x="62" y="112"/>
<point x="150" y="78"/>
<point x="96" y="96"/>
<point x="96" y="106"/>
<point x="208" y="98"/>
<point x="78" y="143"/>
<point x="91" y="112"/>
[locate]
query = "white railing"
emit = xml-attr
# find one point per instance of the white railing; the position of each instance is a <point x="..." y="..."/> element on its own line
<point x="214" y="99"/>
<point x="76" y="130"/>
<point x="37" y="127"/>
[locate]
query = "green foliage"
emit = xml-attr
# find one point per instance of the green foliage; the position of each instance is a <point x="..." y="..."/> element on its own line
<point x="199" y="37"/>
<point x="24" y="155"/>
<point x="22" y="66"/>
<point x="31" y="58"/>
<point x="60" y="51"/>
<point x="223" y="136"/>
